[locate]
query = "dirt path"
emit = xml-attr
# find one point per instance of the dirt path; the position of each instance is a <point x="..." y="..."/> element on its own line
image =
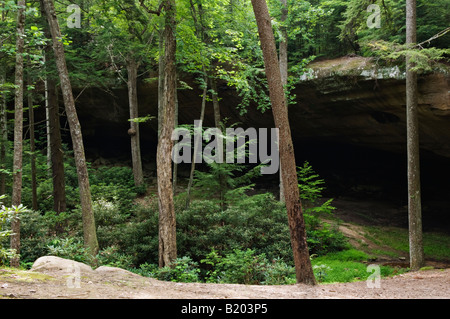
<point x="115" y="283"/>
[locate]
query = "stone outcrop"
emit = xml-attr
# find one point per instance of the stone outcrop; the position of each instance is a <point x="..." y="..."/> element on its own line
<point x="346" y="100"/>
<point x="350" y="101"/>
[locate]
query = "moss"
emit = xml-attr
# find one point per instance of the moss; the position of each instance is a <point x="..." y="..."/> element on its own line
<point x="11" y="274"/>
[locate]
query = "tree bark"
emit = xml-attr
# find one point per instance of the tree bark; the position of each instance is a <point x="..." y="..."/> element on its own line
<point x="161" y="67"/>
<point x="304" y="272"/>
<point x="89" y="230"/>
<point x="3" y="136"/>
<point x="32" y="146"/>
<point x="18" y="130"/>
<point x="413" y="149"/>
<point x="55" y="156"/>
<point x="175" y="165"/>
<point x="283" y="69"/>
<point x="215" y="100"/>
<point x="197" y="144"/>
<point x="3" y="124"/>
<point x="132" y="68"/>
<point x="167" y="220"/>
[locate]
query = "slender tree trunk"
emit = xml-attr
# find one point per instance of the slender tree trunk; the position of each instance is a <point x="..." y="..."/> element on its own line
<point x="18" y="130"/>
<point x="3" y="136"/>
<point x="32" y="146"/>
<point x="216" y="104"/>
<point x="89" y="230"/>
<point x="167" y="220"/>
<point x="161" y="67"/>
<point x="175" y="165"/>
<point x="304" y="272"/>
<point x="132" y="68"/>
<point x="46" y="98"/>
<point x="283" y="69"/>
<point x="55" y="153"/>
<point x="3" y="125"/>
<point x="414" y="192"/>
<point x="197" y="144"/>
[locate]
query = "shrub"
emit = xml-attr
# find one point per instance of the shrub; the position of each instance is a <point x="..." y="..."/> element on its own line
<point x="6" y="214"/>
<point x="279" y="273"/>
<point x="111" y="256"/>
<point x="70" y="248"/>
<point x="237" y="267"/>
<point x="181" y="270"/>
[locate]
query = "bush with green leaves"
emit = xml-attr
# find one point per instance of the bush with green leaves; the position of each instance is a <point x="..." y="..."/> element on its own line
<point x="6" y="215"/>
<point x="128" y="233"/>
<point x="245" y="266"/>
<point x="257" y="222"/>
<point x="236" y="267"/>
<point x="181" y="270"/>
<point x="70" y="248"/>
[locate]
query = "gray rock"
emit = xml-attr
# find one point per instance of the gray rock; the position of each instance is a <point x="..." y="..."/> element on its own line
<point x="57" y="264"/>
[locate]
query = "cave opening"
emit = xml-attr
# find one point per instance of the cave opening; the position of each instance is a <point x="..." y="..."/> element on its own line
<point x="365" y="174"/>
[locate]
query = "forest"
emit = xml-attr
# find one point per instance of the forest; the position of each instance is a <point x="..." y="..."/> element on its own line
<point x="183" y="140"/>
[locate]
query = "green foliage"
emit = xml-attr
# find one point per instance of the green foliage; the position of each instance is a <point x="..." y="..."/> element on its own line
<point x="70" y="248"/>
<point x="224" y="182"/>
<point x="110" y="256"/>
<point x="310" y="185"/>
<point x="346" y="266"/>
<point x="237" y="267"/>
<point x="181" y="270"/>
<point x="424" y="59"/>
<point x="246" y="267"/>
<point x="430" y="21"/>
<point x="6" y="214"/>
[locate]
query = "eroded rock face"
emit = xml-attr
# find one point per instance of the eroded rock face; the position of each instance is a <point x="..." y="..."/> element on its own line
<point x="348" y="101"/>
<point x="345" y="100"/>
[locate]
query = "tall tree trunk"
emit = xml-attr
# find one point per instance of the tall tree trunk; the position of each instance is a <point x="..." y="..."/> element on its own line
<point x="414" y="192"/>
<point x="46" y="98"/>
<point x="283" y="68"/>
<point x="3" y="124"/>
<point x="18" y="130"/>
<point x="3" y="135"/>
<point x="167" y="220"/>
<point x="55" y="154"/>
<point x="216" y="104"/>
<point x="161" y="67"/>
<point x="32" y="145"/>
<point x="132" y="68"/>
<point x="304" y="272"/>
<point x="197" y="144"/>
<point x="89" y="230"/>
<point x="175" y="165"/>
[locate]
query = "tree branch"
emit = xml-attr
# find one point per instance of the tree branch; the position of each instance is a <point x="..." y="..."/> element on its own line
<point x="434" y="37"/>
<point x="157" y="12"/>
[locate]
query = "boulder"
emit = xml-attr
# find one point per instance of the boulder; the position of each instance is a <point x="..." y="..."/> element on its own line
<point x="52" y="264"/>
<point x="106" y="270"/>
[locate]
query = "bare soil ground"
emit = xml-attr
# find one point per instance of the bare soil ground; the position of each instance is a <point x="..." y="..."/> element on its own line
<point x="119" y="284"/>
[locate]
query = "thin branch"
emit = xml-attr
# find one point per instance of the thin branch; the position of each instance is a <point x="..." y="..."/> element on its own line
<point x="108" y="48"/>
<point x="157" y="12"/>
<point x="434" y="37"/>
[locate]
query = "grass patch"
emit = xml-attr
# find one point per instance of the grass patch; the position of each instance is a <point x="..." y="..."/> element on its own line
<point x="347" y="266"/>
<point x="436" y="245"/>
<point x="11" y="274"/>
